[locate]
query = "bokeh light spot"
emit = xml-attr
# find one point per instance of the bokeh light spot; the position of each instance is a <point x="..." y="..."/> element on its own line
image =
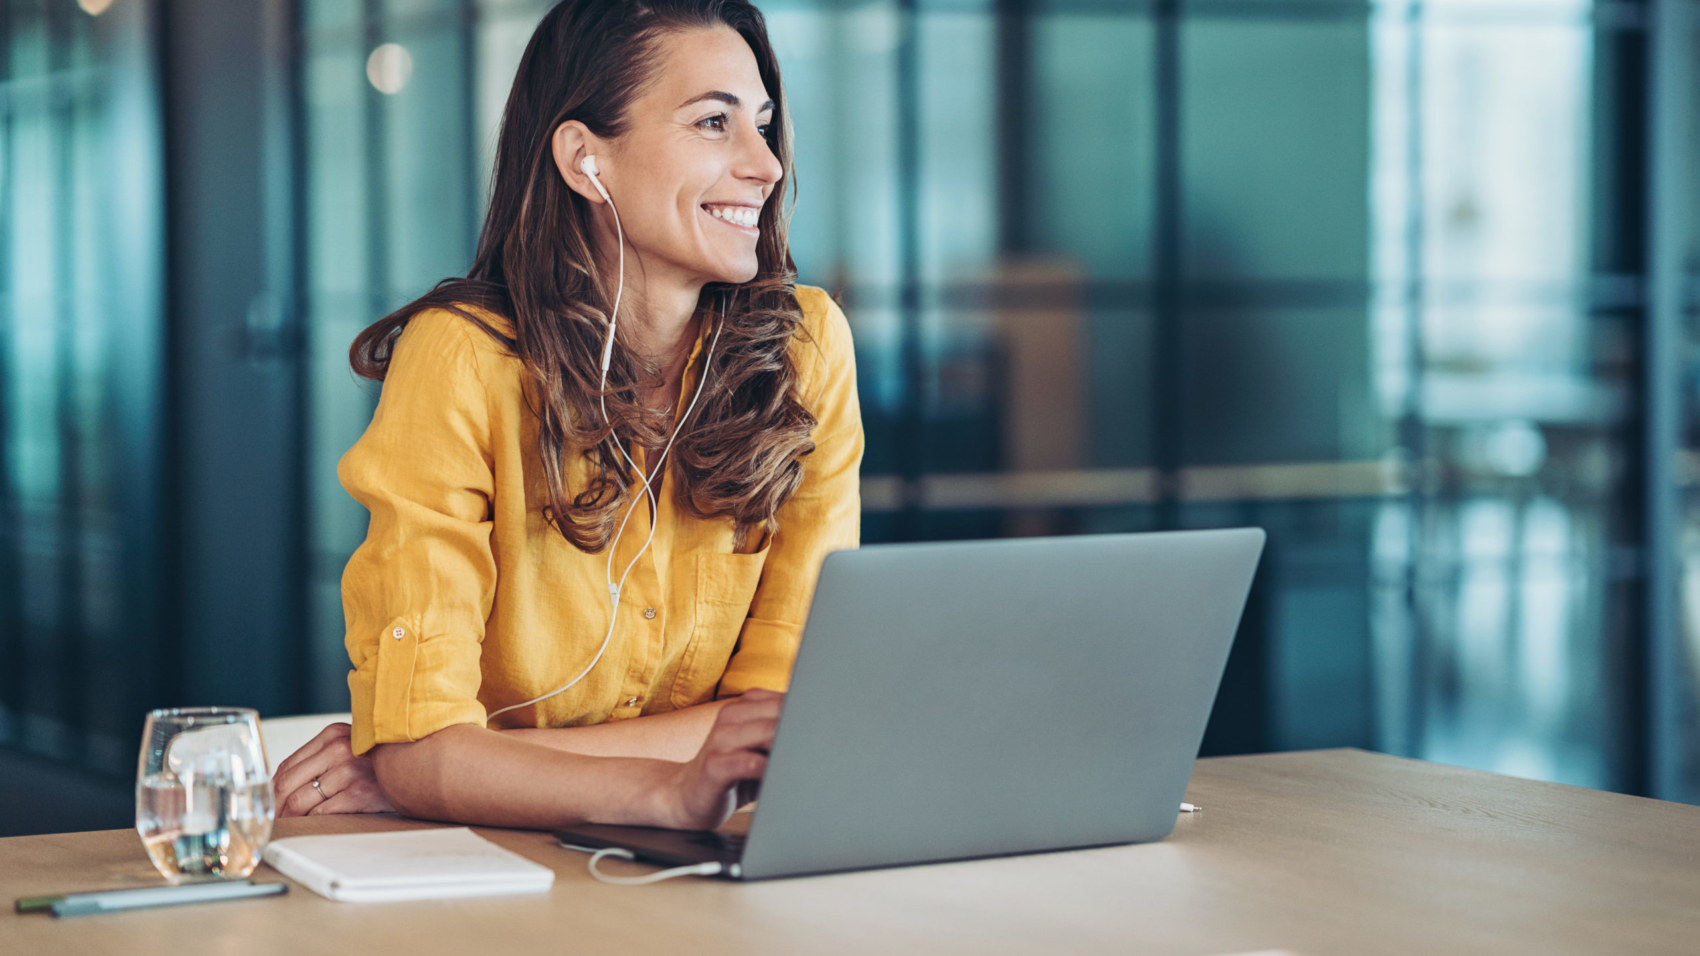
<point x="389" y="68"/>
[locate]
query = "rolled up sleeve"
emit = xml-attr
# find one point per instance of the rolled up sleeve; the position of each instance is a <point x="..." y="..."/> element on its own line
<point x="824" y="514"/>
<point x="416" y="595"/>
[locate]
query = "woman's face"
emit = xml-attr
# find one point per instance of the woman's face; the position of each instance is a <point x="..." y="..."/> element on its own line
<point x="693" y="169"/>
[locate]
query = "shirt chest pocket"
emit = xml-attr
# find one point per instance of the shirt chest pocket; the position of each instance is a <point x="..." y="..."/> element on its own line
<point x="725" y="586"/>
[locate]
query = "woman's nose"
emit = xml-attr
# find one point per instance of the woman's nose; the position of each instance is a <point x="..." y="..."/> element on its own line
<point x="757" y="162"/>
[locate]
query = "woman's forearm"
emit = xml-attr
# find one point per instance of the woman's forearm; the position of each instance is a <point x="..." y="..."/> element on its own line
<point x="467" y="774"/>
<point x="676" y="735"/>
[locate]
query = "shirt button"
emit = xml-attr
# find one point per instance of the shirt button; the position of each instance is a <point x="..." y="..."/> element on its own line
<point x="398" y="633"/>
<point x="632" y="702"/>
<point x="649" y="612"/>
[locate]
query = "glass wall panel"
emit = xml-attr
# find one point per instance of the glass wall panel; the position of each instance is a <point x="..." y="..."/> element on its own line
<point x="1090" y="208"/>
<point x="1275" y="141"/>
<point x="81" y="335"/>
<point x="1501" y="345"/>
<point x="1092" y="187"/>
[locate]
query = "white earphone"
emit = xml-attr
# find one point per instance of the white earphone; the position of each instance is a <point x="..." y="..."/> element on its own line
<point x="588" y="167"/>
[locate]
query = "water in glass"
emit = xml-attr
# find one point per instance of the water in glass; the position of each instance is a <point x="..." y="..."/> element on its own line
<point x="203" y="793"/>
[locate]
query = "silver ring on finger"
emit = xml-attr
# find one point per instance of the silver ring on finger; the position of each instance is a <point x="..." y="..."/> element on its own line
<point x="320" y="790"/>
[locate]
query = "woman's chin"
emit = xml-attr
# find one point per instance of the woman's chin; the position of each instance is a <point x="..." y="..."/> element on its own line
<point x="736" y="273"/>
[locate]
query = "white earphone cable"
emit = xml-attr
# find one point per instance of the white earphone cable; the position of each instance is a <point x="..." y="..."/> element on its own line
<point x="615" y="588"/>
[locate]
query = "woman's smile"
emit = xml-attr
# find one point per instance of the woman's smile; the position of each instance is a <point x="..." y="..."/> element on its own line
<point x="739" y="216"/>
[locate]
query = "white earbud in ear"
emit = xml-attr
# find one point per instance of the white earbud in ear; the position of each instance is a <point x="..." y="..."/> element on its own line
<point x="587" y="165"/>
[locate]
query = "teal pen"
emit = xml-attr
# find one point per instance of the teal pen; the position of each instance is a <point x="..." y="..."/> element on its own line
<point x="114" y="901"/>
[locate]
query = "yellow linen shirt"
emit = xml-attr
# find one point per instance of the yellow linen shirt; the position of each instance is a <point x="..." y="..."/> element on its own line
<point x="463" y="599"/>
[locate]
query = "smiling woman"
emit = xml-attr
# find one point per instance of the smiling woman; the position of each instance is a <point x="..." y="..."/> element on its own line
<point x="606" y="463"/>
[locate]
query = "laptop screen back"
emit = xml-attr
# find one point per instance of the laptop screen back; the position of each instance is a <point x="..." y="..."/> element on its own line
<point x="984" y="698"/>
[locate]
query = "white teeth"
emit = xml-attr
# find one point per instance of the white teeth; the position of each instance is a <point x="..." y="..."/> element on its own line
<point x="737" y="215"/>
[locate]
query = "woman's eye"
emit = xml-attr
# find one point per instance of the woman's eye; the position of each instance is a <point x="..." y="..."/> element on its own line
<point x="719" y="119"/>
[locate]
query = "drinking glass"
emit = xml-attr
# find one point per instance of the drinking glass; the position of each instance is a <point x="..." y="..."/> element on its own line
<point x="203" y="793"/>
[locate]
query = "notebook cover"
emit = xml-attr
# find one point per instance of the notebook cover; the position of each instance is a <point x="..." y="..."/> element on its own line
<point x="405" y="865"/>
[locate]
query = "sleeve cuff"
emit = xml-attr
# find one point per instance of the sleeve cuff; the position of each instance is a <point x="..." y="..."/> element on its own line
<point x="401" y="694"/>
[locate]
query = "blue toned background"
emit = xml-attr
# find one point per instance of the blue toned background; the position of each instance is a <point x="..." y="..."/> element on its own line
<point x="1408" y="284"/>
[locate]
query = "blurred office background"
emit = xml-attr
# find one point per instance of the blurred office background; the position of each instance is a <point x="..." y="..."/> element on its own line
<point x="1411" y="284"/>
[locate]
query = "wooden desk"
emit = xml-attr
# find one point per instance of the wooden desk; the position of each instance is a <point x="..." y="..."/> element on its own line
<point x="1320" y="853"/>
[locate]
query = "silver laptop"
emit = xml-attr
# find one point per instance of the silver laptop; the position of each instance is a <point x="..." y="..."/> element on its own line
<point x="984" y="698"/>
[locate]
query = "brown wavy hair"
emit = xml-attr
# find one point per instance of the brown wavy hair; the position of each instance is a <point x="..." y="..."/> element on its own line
<point x="740" y="455"/>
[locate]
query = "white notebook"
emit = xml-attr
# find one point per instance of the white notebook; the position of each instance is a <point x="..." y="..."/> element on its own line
<point x="405" y="865"/>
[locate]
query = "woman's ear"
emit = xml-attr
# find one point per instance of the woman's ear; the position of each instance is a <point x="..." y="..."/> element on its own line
<point x="571" y="143"/>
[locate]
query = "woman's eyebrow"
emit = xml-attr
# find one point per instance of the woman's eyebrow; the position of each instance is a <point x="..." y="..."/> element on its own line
<point x="730" y="99"/>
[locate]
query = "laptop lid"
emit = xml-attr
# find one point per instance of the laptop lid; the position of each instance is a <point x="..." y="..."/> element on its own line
<point x="985" y="698"/>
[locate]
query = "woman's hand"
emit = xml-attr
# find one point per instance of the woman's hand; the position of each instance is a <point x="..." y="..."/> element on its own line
<point x="726" y="773"/>
<point x="346" y="783"/>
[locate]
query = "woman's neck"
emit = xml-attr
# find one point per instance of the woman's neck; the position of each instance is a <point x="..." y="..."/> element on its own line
<point x="656" y="311"/>
<point x="657" y="319"/>
<point x="662" y="324"/>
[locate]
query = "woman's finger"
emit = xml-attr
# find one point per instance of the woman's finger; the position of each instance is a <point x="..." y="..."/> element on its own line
<point x="299" y="802"/>
<point x="343" y="775"/>
<point x="290" y="777"/>
<point x="726" y="771"/>
<point x="301" y="779"/>
<point x="740" y="711"/>
<point x="349" y="787"/>
<point x="330" y="733"/>
<point x="361" y="796"/>
<point x="314" y="757"/>
<point x="743" y="715"/>
<point x="295" y="793"/>
<point x="712" y="792"/>
<point x="344" y="802"/>
<point x="757" y="697"/>
<point x="746" y="735"/>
